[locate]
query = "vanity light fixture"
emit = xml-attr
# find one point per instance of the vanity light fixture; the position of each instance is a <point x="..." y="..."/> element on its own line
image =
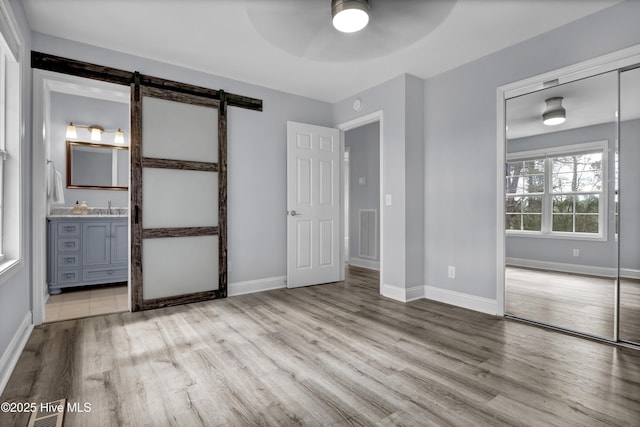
<point x="554" y="114"/>
<point x="119" y="138"/>
<point x="350" y="16"/>
<point x="71" y="131"/>
<point x="95" y="132"/>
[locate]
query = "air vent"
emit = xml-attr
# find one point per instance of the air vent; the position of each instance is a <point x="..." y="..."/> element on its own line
<point x="48" y="414"/>
<point x="368" y="233"/>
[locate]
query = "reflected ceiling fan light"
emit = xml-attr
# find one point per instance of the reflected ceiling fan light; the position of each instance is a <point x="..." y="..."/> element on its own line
<point x="71" y="131"/>
<point x="350" y="16"/>
<point x="554" y="114"/>
<point x="96" y="132"/>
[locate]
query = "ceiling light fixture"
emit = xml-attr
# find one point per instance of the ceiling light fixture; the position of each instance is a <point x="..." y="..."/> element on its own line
<point x="554" y="114"/>
<point x="95" y="132"/>
<point x="350" y="16"/>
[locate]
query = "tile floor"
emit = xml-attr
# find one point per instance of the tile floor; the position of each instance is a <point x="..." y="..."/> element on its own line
<point x="86" y="302"/>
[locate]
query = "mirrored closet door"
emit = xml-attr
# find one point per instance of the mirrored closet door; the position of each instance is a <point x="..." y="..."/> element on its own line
<point x="629" y="207"/>
<point x="561" y="189"/>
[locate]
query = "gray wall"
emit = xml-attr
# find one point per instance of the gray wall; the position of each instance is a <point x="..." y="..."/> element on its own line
<point x="364" y="162"/>
<point x="256" y="155"/>
<point x="414" y="176"/>
<point x="592" y="253"/>
<point x="460" y="135"/>
<point x="110" y="115"/>
<point x="15" y="293"/>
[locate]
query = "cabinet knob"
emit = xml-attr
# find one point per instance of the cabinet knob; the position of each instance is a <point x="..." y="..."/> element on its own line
<point x="110" y="271"/>
<point x="69" y="259"/>
<point x="70" y="244"/>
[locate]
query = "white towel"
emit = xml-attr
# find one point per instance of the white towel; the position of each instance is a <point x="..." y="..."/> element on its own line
<point x="58" y="190"/>
<point x="51" y="170"/>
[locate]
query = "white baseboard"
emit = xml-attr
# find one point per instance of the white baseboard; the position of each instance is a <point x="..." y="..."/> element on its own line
<point x="563" y="267"/>
<point x="402" y="294"/>
<point x="11" y="355"/>
<point x="414" y="293"/>
<point x="629" y="273"/>
<point x="365" y="263"/>
<point x="471" y="302"/>
<point x="251" y="286"/>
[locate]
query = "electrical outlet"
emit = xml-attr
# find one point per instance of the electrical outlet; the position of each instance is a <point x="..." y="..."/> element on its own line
<point x="576" y="252"/>
<point x="387" y="200"/>
<point x="451" y="272"/>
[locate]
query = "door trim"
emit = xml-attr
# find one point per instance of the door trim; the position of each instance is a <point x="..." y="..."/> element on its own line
<point x="377" y="116"/>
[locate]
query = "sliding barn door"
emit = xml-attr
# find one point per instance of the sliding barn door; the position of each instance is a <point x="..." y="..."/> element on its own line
<point x="178" y="197"/>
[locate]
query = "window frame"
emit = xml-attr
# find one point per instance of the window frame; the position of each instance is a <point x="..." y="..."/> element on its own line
<point x="13" y="140"/>
<point x="548" y="154"/>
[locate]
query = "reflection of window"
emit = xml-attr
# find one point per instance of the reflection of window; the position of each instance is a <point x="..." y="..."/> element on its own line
<point x="557" y="191"/>
<point x="525" y="190"/>
<point x="577" y="187"/>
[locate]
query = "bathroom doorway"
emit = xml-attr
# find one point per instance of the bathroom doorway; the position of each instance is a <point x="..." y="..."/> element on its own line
<point x="81" y="197"/>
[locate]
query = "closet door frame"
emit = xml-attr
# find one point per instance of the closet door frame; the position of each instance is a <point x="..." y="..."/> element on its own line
<point x="616" y="61"/>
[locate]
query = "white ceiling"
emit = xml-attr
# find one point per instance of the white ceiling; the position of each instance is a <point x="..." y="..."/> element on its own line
<point x="299" y="52"/>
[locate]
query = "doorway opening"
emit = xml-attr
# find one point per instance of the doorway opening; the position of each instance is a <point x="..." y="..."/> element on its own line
<point x="81" y="255"/>
<point x="363" y="199"/>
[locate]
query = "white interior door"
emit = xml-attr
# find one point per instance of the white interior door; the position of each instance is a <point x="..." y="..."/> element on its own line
<point x="313" y="205"/>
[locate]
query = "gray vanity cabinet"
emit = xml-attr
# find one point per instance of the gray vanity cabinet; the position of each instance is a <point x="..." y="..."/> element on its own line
<point x="86" y="251"/>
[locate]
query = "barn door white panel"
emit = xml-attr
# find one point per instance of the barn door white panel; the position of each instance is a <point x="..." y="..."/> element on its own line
<point x="313" y="205"/>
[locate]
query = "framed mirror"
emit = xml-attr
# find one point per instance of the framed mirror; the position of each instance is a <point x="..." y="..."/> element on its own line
<point x="97" y="166"/>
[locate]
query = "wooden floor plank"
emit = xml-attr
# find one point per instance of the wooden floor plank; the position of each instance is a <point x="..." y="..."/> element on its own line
<point x="329" y="355"/>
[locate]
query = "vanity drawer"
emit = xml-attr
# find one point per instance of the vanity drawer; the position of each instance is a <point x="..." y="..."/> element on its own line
<point x="68" y="276"/>
<point x="112" y="274"/>
<point x="66" y="229"/>
<point x="68" y="244"/>
<point x="69" y="260"/>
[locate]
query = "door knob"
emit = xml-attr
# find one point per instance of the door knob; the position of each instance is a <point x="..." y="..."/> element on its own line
<point x="294" y="213"/>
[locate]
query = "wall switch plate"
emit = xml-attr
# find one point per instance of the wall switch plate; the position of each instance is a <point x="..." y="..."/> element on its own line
<point x="387" y="199"/>
<point x="576" y="252"/>
<point x="451" y="272"/>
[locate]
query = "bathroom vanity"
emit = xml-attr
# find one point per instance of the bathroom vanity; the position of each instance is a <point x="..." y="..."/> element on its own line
<point x="86" y="250"/>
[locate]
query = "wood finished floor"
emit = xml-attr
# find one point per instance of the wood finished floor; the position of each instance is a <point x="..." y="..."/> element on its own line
<point x="329" y="355"/>
<point x="573" y="301"/>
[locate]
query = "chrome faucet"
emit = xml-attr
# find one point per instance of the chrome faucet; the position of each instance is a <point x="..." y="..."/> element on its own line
<point x="109" y="207"/>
